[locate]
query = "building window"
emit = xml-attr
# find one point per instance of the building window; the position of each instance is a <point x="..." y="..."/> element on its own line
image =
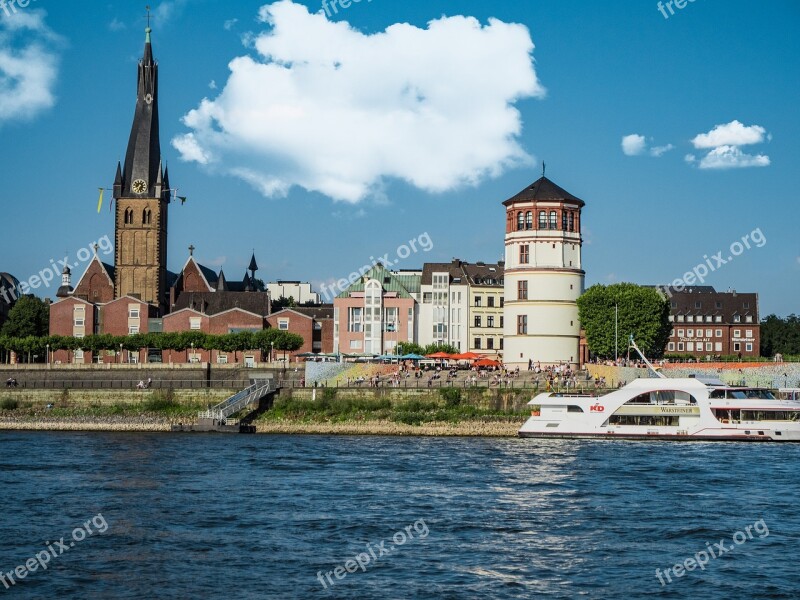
<point x="542" y="219"/>
<point x="79" y="322"/>
<point x="553" y="219"/>
<point x="477" y="343"/>
<point x="522" y="290"/>
<point x="718" y="333"/>
<point x="717" y="346"/>
<point x="133" y="330"/>
<point x="522" y="324"/>
<point x="708" y="346"/>
<point x="490" y="321"/>
<point x="355" y="344"/>
<point x="147" y="216"/>
<point x="502" y="301"/>
<point x="128" y="216"/>
<point x="477" y="301"/>
<point x="708" y="333"/>
<point x="748" y="319"/>
<point x="490" y="344"/>
<point x="718" y="319"/>
<point x="737" y="333"/>
<point x="529" y="220"/>
<point x="477" y="321"/>
<point x="680" y="318"/>
<point x="427" y="297"/>
<point x="689" y="333"/>
<point x="501" y="343"/>
<point x="690" y="346"/>
<point x="524" y="254"/>
<point x="490" y="301"/>
<point x="133" y="313"/>
<point x="222" y="358"/>
<point x="737" y="347"/>
<point x="283" y="325"/>
<point x="520" y="221"/>
<point x="681" y="333"/>
<point x="671" y="346"/>
<point x="671" y="317"/>
<point x="748" y="333"/>
<point x="746" y="305"/>
<point x="354" y="319"/>
<point x="698" y="304"/>
<point x="748" y="347"/>
<point x="737" y="318"/>
<point x="563" y="220"/>
<point x="690" y="318"/>
<point x="194" y="323"/>
<point x="571" y="221"/>
<point x="501" y="321"/>
<point x="680" y="346"/>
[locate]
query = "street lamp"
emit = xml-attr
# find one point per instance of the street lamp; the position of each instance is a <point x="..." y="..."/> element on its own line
<point x="48" y="355"/>
<point x="120" y="353"/>
<point x="191" y="358"/>
<point x="616" y="331"/>
<point x="271" y="351"/>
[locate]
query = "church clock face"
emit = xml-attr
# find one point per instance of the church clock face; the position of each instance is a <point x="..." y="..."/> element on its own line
<point x="139" y="186"/>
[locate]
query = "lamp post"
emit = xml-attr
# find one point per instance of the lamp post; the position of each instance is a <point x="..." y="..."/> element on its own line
<point x="616" y="332"/>
<point x="47" y="360"/>
<point x="120" y="353"/>
<point x="271" y="351"/>
<point x="191" y="357"/>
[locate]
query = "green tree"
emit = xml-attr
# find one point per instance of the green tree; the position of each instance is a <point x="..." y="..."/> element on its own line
<point x="643" y="313"/>
<point x="410" y="348"/>
<point x="434" y="348"/>
<point x="779" y="335"/>
<point x="30" y="316"/>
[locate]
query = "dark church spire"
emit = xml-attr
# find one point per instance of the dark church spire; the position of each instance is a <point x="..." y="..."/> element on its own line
<point x="143" y="158"/>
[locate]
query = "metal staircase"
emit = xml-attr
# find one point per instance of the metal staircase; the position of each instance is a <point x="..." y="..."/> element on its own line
<point x="240" y="400"/>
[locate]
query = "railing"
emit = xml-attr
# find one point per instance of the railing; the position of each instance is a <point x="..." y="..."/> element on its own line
<point x="122" y="384"/>
<point x="238" y="401"/>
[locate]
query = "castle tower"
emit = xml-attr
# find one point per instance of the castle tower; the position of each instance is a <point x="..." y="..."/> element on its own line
<point x="142" y="194"/>
<point x="543" y="276"/>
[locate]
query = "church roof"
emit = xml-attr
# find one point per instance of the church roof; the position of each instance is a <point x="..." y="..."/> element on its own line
<point x="212" y="303"/>
<point x="544" y="190"/>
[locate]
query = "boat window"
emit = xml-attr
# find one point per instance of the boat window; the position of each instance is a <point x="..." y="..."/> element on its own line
<point x="737" y="394"/>
<point x="573" y="408"/>
<point x="762" y="394"/>
<point x="646" y="420"/>
<point x="664" y="397"/>
<point x="717" y="394"/>
<point x="770" y="415"/>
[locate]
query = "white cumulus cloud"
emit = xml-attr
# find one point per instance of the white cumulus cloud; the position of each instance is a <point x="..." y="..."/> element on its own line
<point x="634" y="144"/>
<point x="29" y="62"/>
<point x="333" y="110"/>
<point x="730" y="134"/>
<point x="723" y="144"/>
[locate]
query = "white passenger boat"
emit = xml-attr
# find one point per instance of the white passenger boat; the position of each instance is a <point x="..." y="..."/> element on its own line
<point x="669" y="409"/>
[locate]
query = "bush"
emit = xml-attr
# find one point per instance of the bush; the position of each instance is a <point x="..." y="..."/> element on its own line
<point x="451" y="396"/>
<point x="9" y="404"/>
<point x="161" y="401"/>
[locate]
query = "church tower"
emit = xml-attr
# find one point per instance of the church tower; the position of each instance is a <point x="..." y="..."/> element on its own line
<point x="142" y="194"/>
<point x="543" y="276"/>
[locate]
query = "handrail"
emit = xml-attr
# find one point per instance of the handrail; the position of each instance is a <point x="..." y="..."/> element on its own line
<point x="239" y="400"/>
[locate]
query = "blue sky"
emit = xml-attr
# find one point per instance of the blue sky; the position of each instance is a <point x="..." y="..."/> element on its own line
<point x="362" y="136"/>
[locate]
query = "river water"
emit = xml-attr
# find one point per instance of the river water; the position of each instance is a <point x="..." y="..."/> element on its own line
<point x="236" y="516"/>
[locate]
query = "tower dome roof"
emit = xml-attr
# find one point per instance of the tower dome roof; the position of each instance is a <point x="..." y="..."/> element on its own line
<point x="544" y="190"/>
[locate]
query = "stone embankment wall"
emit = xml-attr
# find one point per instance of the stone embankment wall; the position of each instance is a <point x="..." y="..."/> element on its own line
<point x="771" y="375"/>
<point x="90" y="398"/>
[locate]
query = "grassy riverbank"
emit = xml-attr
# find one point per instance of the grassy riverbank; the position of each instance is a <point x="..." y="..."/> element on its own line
<point x="446" y="412"/>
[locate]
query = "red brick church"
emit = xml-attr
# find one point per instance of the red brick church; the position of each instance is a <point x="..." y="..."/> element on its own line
<point x="138" y="294"/>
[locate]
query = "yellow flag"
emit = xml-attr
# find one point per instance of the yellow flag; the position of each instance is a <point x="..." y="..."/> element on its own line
<point x="100" y="201"/>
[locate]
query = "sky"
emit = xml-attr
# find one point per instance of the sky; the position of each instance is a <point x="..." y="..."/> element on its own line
<point x="325" y="139"/>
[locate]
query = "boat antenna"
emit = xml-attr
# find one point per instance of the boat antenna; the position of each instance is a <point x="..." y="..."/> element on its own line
<point x="632" y="344"/>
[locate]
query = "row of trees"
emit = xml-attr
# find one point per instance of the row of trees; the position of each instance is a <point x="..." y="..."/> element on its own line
<point x="265" y="340"/>
<point x="780" y="335"/>
<point x="412" y="348"/>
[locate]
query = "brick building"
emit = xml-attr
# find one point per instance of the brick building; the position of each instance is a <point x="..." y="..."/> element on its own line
<point x="710" y="323"/>
<point x="377" y="312"/>
<point x="313" y="324"/>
